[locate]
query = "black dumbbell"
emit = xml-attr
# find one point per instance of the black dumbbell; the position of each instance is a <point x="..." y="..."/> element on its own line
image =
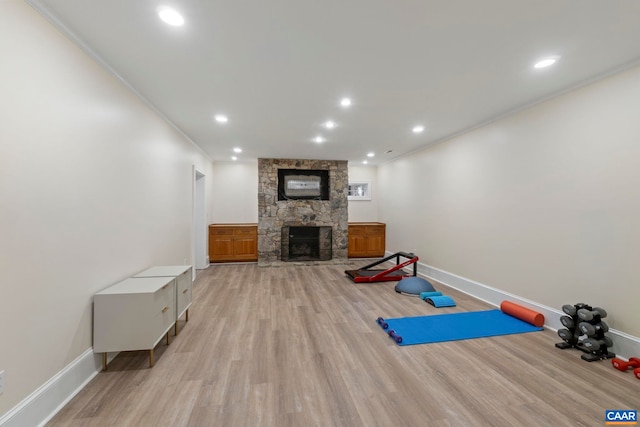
<point x="397" y="338"/>
<point x="584" y="314"/>
<point x="382" y="323"/>
<point x="569" y="309"/>
<point x="590" y="330"/>
<point x="572" y="309"/>
<point x="592" y="344"/>
<point x="567" y="322"/>
<point x="567" y="335"/>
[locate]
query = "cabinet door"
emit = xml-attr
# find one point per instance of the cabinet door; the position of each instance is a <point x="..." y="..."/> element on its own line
<point x="221" y="247"/>
<point x="357" y="241"/>
<point x="357" y="245"/>
<point x="245" y="247"/>
<point x="375" y="240"/>
<point x="220" y="243"/>
<point x="375" y="245"/>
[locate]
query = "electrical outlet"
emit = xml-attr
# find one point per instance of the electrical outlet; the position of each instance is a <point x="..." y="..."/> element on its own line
<point x="1" y="382"/>
<point x="185" y="262"/>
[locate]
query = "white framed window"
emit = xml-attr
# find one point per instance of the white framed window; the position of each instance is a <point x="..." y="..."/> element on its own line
<point x="359" y="190"/>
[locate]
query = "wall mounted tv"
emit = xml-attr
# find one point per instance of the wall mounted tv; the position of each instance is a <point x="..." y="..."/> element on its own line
<point x="303" y="184"/>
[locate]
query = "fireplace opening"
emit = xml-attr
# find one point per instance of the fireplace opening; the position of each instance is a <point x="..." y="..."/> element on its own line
<point x="306" y="243"/>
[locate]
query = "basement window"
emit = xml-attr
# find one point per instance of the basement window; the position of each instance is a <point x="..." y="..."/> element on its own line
<point x="359" y="190"/>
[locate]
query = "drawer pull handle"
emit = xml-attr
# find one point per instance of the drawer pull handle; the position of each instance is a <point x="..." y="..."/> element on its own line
<point x="164" y="310"/>
<point x="185" y="291"/>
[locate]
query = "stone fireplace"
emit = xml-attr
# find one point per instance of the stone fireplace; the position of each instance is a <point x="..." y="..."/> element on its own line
<point x="277" y="217"/>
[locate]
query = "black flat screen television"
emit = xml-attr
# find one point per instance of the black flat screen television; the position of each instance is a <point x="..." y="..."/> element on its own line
<point x="303" y="184"/>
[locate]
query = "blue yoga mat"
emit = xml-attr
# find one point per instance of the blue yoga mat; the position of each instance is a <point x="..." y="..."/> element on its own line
<point x="457" y="326"/>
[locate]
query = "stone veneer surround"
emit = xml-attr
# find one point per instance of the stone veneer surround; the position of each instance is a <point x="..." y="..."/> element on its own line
<point x="274" y="214"/>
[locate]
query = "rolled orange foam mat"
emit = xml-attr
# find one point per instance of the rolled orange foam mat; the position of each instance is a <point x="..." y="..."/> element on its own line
<point x="522" y="313"/>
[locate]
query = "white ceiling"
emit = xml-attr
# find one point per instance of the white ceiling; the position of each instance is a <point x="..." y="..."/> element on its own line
<point x="278" y="68"/>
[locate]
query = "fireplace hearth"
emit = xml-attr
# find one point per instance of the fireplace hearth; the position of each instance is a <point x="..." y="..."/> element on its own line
<point x="309" y="243"/>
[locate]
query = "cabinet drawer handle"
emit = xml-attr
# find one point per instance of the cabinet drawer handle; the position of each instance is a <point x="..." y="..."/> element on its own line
<point x="164" y="310"/>
<point x="185" y="291"/>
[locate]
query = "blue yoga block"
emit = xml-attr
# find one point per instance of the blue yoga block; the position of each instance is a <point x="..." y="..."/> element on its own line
<point x="425" y="295"/>
<point x="441" y="301"/>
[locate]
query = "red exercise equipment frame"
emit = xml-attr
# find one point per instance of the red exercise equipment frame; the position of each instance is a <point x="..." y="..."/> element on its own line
<point x="367" y="275"/>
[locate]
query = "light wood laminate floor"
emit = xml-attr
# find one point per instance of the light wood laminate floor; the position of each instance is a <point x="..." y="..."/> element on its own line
<point x="299" y="346"/>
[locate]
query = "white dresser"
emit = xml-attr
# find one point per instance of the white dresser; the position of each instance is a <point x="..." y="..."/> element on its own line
<point x="184" y="286"/>
<point x="133" y="315"/>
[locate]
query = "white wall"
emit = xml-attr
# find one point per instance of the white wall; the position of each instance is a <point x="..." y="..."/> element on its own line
<point x="544" y="204"/>
<point x="364" y="210"/>
<point x="94" y="187"/>
<point x="235" y="192"/>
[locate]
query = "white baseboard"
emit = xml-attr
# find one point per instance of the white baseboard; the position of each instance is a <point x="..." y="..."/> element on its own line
<point x="624" y="345"/>
<point x="41" y="405"/>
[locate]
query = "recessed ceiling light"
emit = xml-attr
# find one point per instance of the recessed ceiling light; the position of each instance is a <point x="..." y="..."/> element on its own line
<point x="221" y="118"/>
<point x="237" y="150"/>
<point x="319" y="139"/>
<point x="170" y="16"/>
<point x="418" y="129"/>
<point x="546" y="62"/>
<point x="364" y="162"/>
<point x="329" y="124"/>
<point x="370" y="154"/>
<point x="345" y="102"/>
<point x="234" y="158"/>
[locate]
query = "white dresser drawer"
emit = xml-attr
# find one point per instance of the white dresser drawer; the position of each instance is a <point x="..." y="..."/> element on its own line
<point x="164" y="298"/>
<point x="184" y="292"/>
<point x="133" y="314"/>
<point x="164" y="320"/>
<point x="184" y="286"/>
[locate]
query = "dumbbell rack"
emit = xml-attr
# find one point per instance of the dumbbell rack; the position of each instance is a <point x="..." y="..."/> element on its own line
<point x="582" y="319"/>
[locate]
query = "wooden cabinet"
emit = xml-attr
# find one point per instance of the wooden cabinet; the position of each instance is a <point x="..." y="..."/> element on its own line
<point x="133" y="314"/>
<point x="233" y="242"/>
<point x="367" y="239"/>
<point x="184" y="286"/>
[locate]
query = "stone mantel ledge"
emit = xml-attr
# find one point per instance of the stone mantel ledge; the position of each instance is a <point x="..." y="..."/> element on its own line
<point x="283" y="264"/>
